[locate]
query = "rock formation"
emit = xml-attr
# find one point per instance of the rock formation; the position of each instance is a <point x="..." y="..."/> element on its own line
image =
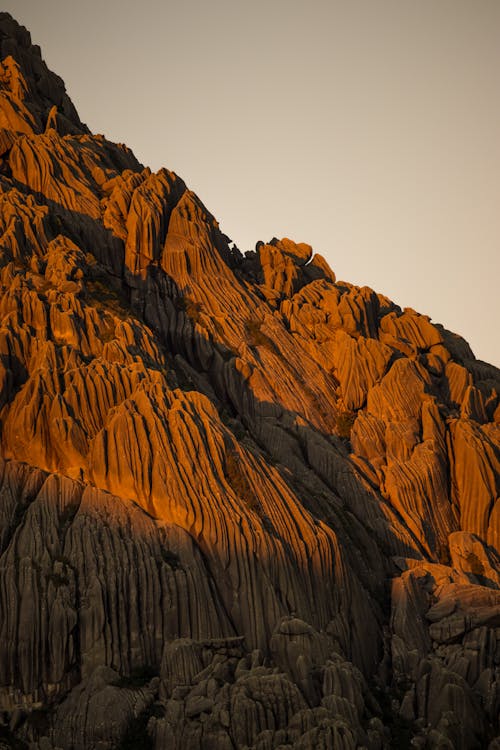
<point x="243" y="504"/>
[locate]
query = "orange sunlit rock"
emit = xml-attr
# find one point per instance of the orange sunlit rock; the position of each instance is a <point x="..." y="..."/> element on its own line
<point x="242" y="504"/>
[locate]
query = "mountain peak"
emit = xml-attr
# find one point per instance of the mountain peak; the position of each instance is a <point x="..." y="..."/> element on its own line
<point x="243" y="504"/>
<point x="29" y="90"/>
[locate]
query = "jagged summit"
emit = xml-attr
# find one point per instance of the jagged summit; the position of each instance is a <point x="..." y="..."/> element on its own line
<point x="243" y="505"/>
<point x="29" y="90"/>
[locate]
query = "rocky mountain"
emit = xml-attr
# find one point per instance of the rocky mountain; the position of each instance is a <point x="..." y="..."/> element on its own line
<point x="243" y="504"/>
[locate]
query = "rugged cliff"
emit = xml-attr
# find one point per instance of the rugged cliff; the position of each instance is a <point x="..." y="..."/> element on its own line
<point x="243" y="505"/>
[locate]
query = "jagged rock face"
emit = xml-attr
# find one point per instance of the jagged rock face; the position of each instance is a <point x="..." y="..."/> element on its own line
<point x="243" y="505"/>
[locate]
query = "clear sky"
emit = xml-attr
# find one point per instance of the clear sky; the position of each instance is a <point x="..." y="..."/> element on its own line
<point x="368" y="128"/>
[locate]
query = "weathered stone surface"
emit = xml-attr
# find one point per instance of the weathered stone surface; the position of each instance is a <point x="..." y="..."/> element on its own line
<point x="241" y="504"/>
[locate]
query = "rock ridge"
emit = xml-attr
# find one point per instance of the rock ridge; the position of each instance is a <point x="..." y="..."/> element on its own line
<point x="244" y="504"/>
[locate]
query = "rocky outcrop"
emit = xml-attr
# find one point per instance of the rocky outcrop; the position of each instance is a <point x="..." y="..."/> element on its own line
<point x="243" y="504"/>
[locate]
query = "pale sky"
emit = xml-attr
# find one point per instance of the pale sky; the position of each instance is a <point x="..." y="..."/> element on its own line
<point x="367" y="128"/>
